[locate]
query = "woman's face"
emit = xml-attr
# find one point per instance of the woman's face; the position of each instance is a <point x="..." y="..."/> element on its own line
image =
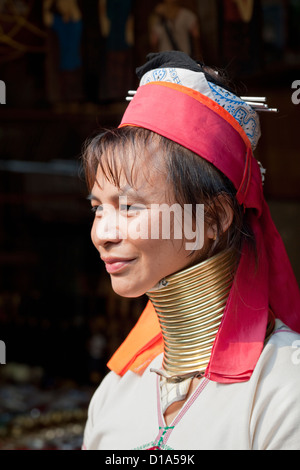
<point x="135" y="233"/>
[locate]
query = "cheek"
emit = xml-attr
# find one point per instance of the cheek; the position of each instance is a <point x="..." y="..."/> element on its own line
<point x="93" y="234"/>
<point x="138" y="228"/>
<point x="154" y="226"/>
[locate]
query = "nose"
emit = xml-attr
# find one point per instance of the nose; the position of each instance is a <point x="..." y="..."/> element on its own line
<point x="106" y="228"/>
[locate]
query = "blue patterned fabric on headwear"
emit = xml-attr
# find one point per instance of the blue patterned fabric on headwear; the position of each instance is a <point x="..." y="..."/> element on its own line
<point x="241" y="111"/>
<point x="245" y="115"/>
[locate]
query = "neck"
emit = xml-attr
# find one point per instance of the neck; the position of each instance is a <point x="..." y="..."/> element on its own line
<point x="190" y="307"/>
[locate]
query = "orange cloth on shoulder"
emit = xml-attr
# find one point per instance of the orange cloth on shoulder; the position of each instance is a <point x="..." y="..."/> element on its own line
<point x="141" y="346"/>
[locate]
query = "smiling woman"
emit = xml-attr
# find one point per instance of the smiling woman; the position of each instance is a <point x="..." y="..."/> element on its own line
<point x="122" y="235"/>
<point x="134" y="153"/>
<point x="215" y="342"/>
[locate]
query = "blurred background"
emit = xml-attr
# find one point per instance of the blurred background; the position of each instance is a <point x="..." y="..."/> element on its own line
<point x="67" y="66"/>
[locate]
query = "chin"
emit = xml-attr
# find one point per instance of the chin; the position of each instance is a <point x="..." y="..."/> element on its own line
<point x="130" y="292"/>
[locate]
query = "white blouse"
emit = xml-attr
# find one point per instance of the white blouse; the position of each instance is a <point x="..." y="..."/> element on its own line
<point x="260" y="414"/>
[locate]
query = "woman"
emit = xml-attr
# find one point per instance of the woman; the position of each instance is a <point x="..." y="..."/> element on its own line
<point x="211" y="363"/>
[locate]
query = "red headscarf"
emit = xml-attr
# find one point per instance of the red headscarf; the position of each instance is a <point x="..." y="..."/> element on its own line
<point x="198" y="123"/>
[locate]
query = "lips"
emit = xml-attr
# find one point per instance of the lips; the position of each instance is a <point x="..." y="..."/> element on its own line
<point x="116" y="265"/>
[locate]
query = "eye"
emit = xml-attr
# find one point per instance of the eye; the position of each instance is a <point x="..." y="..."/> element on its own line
<point x="97" y="209"/>
<point x="131" y="210"/>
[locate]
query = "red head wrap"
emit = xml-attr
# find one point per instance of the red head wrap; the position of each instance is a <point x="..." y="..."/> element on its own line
<point x="198" y="123"/>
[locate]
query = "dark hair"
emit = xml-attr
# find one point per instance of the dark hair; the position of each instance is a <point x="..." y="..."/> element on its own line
<point x="193" y="179"/>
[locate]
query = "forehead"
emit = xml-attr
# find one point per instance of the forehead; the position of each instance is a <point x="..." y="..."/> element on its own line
<point x="147" y="186"/>
<point x="131" y="163"/>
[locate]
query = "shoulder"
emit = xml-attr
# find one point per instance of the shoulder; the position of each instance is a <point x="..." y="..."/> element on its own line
<point x="276" y="406"/>
<point x="282" y="331"/>
<point x="114" y="386"/>
<point x="116" y="396"/>
<point x="100" y="399"/>
<point x="103" y="392"/>
<point x="281" y="354"/>
<point x="277" y="373"/>
<point x="286" y="343"/>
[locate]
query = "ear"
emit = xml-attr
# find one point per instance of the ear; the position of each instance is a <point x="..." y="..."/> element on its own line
<point x="224" y="213"/>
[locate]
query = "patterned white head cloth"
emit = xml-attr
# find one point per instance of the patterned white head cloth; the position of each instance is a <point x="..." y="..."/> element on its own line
<point x="190" y="112"/>
<point x="246" y="116"/>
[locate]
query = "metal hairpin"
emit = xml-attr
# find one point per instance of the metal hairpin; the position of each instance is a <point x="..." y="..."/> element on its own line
<point x="131" y="94"/>
<point x="258" y="103"/>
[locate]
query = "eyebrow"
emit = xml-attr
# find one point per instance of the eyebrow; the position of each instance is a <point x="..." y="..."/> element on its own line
<point x="91" y="197"/>
<point x="127" y="189"/>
